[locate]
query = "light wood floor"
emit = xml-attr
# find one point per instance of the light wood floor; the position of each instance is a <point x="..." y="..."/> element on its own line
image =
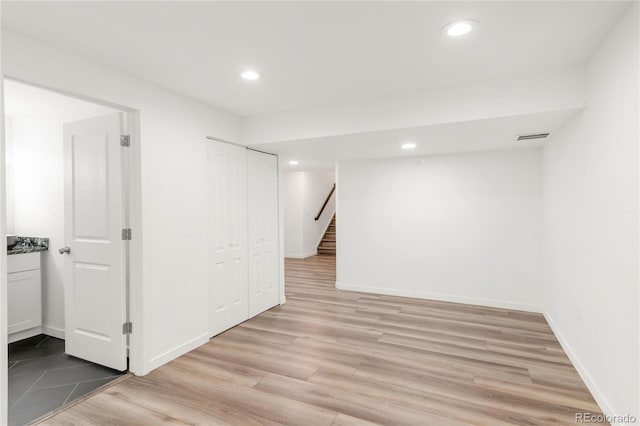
<point x="330" y="357"/>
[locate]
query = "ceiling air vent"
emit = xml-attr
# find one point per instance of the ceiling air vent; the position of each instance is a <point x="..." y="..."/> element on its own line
<point x="532" y="136"/>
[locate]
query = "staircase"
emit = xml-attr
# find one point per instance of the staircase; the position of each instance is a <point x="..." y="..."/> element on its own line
<point x="328" y="243"/>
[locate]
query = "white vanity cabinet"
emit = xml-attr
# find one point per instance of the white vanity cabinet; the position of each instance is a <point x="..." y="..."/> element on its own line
<point x="24" y="295"/>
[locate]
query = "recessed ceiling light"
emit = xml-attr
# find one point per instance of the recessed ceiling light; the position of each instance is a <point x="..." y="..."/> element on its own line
<point x="250" y="75"/>
<point x="408" y="145"/>
<point x="294" y="162"/>
<point x="459" y="28"/>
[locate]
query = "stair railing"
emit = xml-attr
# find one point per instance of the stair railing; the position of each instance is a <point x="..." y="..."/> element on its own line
<point x="326" y="202"/>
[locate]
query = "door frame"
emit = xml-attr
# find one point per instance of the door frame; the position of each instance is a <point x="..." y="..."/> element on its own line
<point x="132" y="212"/>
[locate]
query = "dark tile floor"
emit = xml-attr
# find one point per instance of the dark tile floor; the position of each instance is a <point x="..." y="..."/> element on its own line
<point x="42" y="378"/>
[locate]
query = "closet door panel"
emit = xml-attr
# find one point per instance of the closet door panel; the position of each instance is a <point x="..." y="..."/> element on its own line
<point x="239" y="295"/>
<point x="263" y="231"/>
<point x="227" y="225"/>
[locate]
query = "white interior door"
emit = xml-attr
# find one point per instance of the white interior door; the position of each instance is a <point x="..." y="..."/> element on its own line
<point x="94" y="281"/>
<point x="227" y="216"/>
<point x="264" y="290"/>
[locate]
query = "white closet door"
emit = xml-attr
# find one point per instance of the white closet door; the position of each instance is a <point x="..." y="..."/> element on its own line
<point x="227" y="226"/>
<point x="263" y="232"/>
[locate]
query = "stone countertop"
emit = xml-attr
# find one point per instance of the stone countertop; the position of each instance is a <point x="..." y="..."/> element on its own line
<point x="29" y="245"/>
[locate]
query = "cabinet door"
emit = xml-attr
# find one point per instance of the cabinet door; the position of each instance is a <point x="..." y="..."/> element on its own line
<point x="24" y="301"/>
<point x="263" y="231"/>
<point x="227" y="226"/>
<point x="23" y="262"/>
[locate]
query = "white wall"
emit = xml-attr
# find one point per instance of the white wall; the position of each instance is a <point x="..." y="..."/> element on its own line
<point x="463" y="228"/>
<point x="292" y="206"/>
<point x="591" y="226"/>
<point x="39" y="205"/>
<point x="304" y="194"/>
<point x="173" y="295"/>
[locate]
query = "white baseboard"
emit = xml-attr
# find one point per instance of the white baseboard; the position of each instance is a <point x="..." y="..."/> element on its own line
<point x="301" y="256"/>
<point x="171" y="354"/>
<point x="283" y="300"/>
<point x="441" y="297"/>
<point x="53" y="331"/>
<point x="584" y="375"/>
<point x="25" y="334"/>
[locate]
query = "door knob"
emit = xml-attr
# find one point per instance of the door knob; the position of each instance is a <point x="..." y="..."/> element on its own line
<point x="64" y="250"/>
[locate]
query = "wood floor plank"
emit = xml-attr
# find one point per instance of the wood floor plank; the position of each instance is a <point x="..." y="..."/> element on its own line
<point x="437" y="402"/>
<point x="332" y="398"/>
<point x="346" y="420"/>
<point x="243" y="400"/>
<point x="191" y="408"/>
<point x="106" y="409"/>
<point x="291" y="354"/>
<point x="504" y="406"/>
<point x="211" y="368"/>
<point x="276" y="363"/>
<point x="342" y="358"/>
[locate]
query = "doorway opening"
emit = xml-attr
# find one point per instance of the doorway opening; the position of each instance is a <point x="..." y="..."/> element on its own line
<point x="309" y="204"/>
<point x="68" y="208"/>
<point x="310" y="214"/>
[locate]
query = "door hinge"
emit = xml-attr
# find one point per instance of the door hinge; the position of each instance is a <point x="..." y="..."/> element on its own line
<point x="127" y="328"/>
<point x="125" y="140"/>
<point x="126" y="234"/>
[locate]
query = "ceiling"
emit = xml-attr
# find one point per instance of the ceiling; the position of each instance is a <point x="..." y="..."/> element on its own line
<point x="469" y="136"/>
<point x="315" y="53"/>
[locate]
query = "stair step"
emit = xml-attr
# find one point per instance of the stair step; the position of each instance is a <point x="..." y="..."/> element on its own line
<point x="327" y="251"/>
